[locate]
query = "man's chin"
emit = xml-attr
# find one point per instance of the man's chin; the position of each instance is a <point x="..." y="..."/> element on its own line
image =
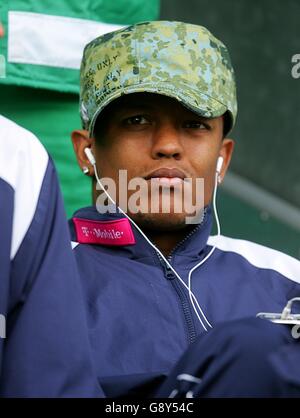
<point x="160" y="222"/>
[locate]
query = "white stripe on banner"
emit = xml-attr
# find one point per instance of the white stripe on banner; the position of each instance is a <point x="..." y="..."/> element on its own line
<point x="55" y="41"/>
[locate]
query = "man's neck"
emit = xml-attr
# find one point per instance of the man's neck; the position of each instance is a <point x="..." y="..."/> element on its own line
<point x="167" y="241"/>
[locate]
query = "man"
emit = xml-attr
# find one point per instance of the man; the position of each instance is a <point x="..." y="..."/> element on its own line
<point x="44" y="349"/>
<point x="158" y="101"/>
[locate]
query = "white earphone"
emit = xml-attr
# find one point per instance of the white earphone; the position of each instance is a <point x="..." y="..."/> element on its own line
<point x="219" y="168"/>
<point x="219" y="164"/>
<point x="90" y="155"/>
<point x="194" y="302"/>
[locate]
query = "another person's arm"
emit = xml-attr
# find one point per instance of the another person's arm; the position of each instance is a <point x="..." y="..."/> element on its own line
<point x="46" y="349"/>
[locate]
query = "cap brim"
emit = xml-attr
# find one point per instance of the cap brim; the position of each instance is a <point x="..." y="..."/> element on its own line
<point x="197" y="102"/>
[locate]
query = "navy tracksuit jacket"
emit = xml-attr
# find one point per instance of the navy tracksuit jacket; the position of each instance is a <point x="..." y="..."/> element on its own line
<point x="140" y="318"/>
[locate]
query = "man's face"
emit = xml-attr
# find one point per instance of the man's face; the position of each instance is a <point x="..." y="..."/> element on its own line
<point x="143" y="133"/>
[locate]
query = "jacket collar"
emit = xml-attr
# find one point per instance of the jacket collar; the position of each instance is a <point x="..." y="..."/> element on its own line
<point x="190" y="247"/>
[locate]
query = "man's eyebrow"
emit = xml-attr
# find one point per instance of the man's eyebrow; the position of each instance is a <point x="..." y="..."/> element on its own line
<point x="133" y="106"/>
<point x="122" y="109"/>
<point x="192" y="116"/>
<point x="145" y="106"/>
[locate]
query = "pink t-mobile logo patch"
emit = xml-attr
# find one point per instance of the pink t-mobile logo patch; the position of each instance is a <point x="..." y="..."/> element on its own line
<point x="117" y="232"/>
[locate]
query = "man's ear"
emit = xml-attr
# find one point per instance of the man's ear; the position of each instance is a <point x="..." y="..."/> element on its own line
<point x="81" y="140"/>
<point x="226" y="152"/>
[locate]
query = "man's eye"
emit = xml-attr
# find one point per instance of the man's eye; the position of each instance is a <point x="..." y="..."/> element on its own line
<point x="136" y="120"/>
<point x="194" y="124"/>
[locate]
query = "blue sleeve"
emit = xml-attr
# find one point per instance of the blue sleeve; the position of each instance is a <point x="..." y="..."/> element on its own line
<point x="46" y="352"/>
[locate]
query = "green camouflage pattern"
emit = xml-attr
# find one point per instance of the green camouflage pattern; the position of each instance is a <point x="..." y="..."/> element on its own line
<point x="180" y="60"/>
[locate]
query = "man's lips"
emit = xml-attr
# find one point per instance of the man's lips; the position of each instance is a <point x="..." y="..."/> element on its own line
<point x="168" y="176"/>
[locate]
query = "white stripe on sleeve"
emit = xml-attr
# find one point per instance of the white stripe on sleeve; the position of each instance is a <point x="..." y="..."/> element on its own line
<point x="23" y="162"/>
<point x="260" y="256"/>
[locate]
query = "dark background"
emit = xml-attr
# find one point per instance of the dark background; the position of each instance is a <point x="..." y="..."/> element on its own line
<point x="262" y="36"/>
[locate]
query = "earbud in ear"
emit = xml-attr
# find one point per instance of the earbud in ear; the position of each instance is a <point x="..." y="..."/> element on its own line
<point x="219" y="164"/>
<point x="90" y="156"/>
<point x="219" y="168"/>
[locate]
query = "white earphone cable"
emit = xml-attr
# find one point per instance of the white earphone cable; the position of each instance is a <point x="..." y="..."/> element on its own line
<point x="208" y="255"/>
<point x="193" y="298"/>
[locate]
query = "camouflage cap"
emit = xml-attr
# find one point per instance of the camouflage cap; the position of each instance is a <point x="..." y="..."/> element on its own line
<point x="179" y="60"/>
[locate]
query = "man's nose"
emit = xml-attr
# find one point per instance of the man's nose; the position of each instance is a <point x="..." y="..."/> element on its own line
<point x="167" y="142"/>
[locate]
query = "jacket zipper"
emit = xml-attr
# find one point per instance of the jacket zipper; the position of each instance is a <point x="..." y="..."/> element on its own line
<point x="178" y="287"/>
